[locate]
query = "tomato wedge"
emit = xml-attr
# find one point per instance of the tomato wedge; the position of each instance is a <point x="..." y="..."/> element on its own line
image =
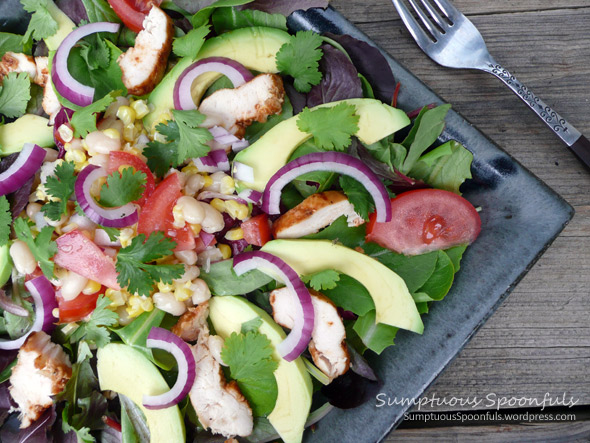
<point x="133" y="12"/>
<point x="156" y="214"/>
<point x="121" y="158"/>
<point x="257" y="230"/>
<point x="77" y="253"/>
<point x="426" y="220"/>
<point x="77" y="308"/>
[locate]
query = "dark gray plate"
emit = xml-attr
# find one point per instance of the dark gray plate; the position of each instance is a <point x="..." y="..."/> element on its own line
<point x="521" y="217"/>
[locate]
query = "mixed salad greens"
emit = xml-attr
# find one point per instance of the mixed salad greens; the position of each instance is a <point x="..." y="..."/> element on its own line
<point x="206" y="222"/>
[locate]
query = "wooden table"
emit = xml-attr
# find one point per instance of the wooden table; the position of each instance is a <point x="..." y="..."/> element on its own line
<point x="538" y="342"/>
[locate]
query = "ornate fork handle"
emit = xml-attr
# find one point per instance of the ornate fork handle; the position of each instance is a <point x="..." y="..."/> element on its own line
<point x="564" y="130"/>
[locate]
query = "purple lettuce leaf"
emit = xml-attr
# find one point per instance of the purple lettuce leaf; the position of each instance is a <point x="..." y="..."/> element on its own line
<point x="340" y="79"/>
<point x="371" y="63"/>
<point x="285" y="7"/>
<point x="74" y="9"/>
<point x="37" y="432"/>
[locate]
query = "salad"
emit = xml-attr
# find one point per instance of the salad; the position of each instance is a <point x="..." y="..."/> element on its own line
<point x="207" y="222"/>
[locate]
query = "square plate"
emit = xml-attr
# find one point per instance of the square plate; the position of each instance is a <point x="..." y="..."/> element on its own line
<point x="521" y="216"/>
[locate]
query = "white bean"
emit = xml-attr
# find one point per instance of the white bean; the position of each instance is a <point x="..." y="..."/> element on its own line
<point x="216" y="178"/>
<point x="168" y="303"/>
<point x="186" y="257"/>
<point x="33" y="209"/>
<point x="194" y="184"/>
<point x="201" y="292"/>
<point x="193" y="211"/>
<point x="72" y="284"/>
<point x="51" y="155"/>
<point x="101" y="160"/>
<point x="213" y="221"/>
<point x="124" y="318"/>
<point x="23" y="259"/>
<point x="100" y="143"/>
<point x="190" y="273"/>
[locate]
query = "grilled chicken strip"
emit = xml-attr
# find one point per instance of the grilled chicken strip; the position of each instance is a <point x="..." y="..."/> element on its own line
<point x="219" y="405"/>
<point x="42" y="370"/>
<point x="327" y="346"/>
<point x="314" y="213"/>
<point x="143" y="65"/>
<point x="235" y="109"/>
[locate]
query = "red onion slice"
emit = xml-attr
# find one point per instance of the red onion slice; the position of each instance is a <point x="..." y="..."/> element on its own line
<point x="233" y="70"/>
<point x="243" y="172"/>
<point x="44" y="297"/>
<point x="65" y="84"/>
<point x="121" y="217"/>
<point x="27" y="163"/>
<point x="327" y="161"/>
<point x="160" y="338"/>
<point x="224" y="138"/>
<point x="251" y="196"/>
<point x="209" y="195"/>
<point x="300" y="335"/>
<point x="214" y="161"/>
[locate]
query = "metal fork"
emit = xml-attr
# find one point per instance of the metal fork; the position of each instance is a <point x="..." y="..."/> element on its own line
<point x="450" y="39"/>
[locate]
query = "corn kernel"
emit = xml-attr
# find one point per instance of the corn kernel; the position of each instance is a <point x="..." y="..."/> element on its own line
<point x="183" y="293"/>
<point x="126" y="114"/>
<point x="227" y="185"/>
<point x="208" y="181"/>
<point x="66" y="133"/>
<point x="40" y="193"/>
<point x="92" y="287"/>
<point x="137" y="305"/>
<point x="159" y="137"/>
<point x="126" y="235"/>
<point x="237" y="210"/>
<point x="117" y="298"/>
<point x="112" y="133"/>
<point x="234" y="234"/>
<point x="75" y="156"/>
<point x="195" y="228"/>
<point x="218" y="204"/>
<point x="178" y="215"/>
<point x="190" y="169"/>
<point x="225" y="251"/>
<point x="164" y="117"/>
<point x="141" y="108"/>
<point x="165" y="287"/>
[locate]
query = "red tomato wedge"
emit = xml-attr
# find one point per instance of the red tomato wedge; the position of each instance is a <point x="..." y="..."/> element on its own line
<point x="156" y="214"/>
<point x="426" y="220"/>
<point x="133" y="12"/>
<point x="77" y="308"/>
<point x="77" y="253"/>
<point x="257" y="230"/>
<point x="120" y="158"/>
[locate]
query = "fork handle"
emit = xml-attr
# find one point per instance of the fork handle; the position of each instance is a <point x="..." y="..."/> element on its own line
<point x="577" y="143"/>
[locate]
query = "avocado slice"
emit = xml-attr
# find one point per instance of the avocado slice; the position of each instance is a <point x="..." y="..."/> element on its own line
<point x="64" y="26"/>
<point x="295" y="389"/>
<point x="126" y="371"/>
<point x="393" y="303"/>
<point x="29" y="128"/>
<point x="5" y="264"/>
<point x="255" y="48"/>
<point x="273" y="150"/>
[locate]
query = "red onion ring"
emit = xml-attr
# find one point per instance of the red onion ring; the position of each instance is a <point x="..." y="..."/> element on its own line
<point x="233" y="70"/>
<point x="300" y="335"/>
<point x="121" y="217"/>
<point x="160" y="338"/>
<point x="44" y="297"/>
<point x="26" y="165"/>
<point x="65" y="84"/>
<point x="327" y="161"/>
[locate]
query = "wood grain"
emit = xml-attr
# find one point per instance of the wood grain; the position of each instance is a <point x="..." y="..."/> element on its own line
<point x="539" y="339"/>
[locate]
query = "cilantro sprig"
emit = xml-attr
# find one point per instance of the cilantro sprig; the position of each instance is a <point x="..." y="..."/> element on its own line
<point x="323" y="280"/>
<point x="42" y="247"/>
<point x="84" y="119"/>
<point x="185" y="140"/>
<point x="331" y="127"/>
<point x="5" y="220"/>
<point x="94" y="330"/>
<point x="300" y="59"/>
<point x="59" y="187"/>
<point x="122" y="187"/>
<point x="42" y="23"/>
<point x="136" y="267"/>
<point x="189" y="45"/>
<point x="15" y="93"/>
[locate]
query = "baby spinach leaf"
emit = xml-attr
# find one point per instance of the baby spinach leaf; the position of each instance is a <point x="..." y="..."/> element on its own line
<point x="322" y="179"/>
<point x="227" y="19"/>
<point x="351" y="296"/>
<point x="456" y="254"/>
<point x="339" y="231"/>
<point x="375" y="336"/>
<point x="439" y="283"/>
<point x="222" y="280"/>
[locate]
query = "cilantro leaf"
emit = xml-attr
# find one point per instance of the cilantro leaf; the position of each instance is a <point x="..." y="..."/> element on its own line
<point x="122" y="188"/>
<point x="15" y="93"/>
<point x="94" y="330"/>
<point x="5" y="220"/>
<point x="300" y="59"/>
<point x="42" y="247"/>
<point x="331" y="127"/>
<point x="249" y="357"/>
<point x="42" y="24"/>
<point x="136" y="272"/>
<point x="190" y="44"/>
<point x="113" y="233"/>
<point x="185" y="140"/>
<point x="84" y="119"/>
<point x="357" y="195"/>
<point x="320" y="281"/>
<point x="60" y="187"/>
<point x="251" y="325"/>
